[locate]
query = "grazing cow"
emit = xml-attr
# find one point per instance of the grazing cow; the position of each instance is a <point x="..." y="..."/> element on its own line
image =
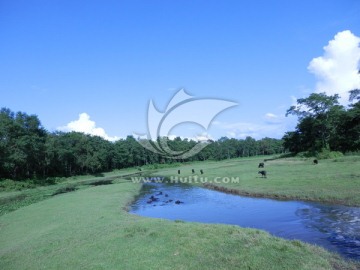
<point x="178" y="171"/>
<point x="193" y="171"/>
<point x="261" y="165"/>
<point x="178" y="202"/>
<point x="315" y="161"/>
<point x="263" y="173"/>
<point x="201" y="171"/>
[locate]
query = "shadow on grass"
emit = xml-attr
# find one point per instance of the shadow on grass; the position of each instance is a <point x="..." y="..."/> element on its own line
<point x="100" y="182"/>
<point x="64" y="190"/>
<point x="98" y="174"/>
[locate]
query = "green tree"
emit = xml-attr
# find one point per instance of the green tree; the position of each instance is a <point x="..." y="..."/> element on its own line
<point x="317" y="117"/>
<point x="22" y="145"/>
<point x="348" y="132"/>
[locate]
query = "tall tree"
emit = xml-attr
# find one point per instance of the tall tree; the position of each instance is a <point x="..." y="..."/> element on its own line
<point x="316" y="115"/>
<point x="22" y="145"/>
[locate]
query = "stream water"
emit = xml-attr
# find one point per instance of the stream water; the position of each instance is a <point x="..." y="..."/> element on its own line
<point x="334" y="227"/>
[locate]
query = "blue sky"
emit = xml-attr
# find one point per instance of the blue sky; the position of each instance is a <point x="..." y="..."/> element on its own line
<point x="106" y="59"/>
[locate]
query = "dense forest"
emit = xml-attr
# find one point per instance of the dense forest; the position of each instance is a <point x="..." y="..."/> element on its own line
<point x="324" y="125"/>
<point x="28" y="151"/>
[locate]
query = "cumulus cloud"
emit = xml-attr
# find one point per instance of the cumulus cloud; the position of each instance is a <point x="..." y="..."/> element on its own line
<point x="337" y="70"/>
<point x="87" y="126"/>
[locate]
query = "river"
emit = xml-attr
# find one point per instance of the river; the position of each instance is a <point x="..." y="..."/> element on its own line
<point x="334" y="227"/>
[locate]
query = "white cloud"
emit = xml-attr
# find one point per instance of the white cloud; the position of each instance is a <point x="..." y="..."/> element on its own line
<point x="271" y="118"/>
<point x="270" y="115"/>
<point x="337" y="70"/>
<point x="202" y="137"/>
<point x="87" y="126"/>
<point x="274" y="127"/>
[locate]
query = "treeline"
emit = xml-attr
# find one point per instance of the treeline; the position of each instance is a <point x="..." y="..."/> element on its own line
<point x="324" y="125"/>
<point x="28" y="151"/>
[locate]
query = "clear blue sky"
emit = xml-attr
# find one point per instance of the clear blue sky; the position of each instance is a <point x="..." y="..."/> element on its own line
<point x="107" y="59"/>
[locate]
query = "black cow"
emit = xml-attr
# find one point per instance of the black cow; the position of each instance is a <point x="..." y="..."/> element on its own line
<point x="315" y="161"/>
<point x="193" y="171"/>
<point x="201" y="171"/>
<point x="263" y="173"/>
<point x="261" y="165"/>
<point x="178" y="171"/>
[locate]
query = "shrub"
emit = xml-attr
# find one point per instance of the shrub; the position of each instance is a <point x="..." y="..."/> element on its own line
<point x="327" y="154"/>
<point x="354" y="153"/>
<point x="8" y="184"/>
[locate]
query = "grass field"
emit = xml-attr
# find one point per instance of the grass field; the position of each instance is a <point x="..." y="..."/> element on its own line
<point x="89" y="228"/>
<point x="11" y="200"/>
<point x="331" y="181"/>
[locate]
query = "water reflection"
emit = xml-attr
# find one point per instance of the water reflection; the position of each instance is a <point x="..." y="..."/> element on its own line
<point x="336" y="228"/>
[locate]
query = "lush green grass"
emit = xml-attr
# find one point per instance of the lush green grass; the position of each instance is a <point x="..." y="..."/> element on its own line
<point x="90" y="229"/>
<point x="332" y="180"/>
<point x="12" y="199"/>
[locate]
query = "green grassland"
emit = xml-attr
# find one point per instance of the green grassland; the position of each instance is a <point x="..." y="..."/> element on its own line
<point x="14" y="196"/>
<point x="331" y="181"/>
<point x="89" y="227"/>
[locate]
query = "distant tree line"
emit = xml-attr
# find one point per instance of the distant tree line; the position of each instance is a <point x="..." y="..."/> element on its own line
<point x="325" y="125"/>
<point x="28" y="151"/>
